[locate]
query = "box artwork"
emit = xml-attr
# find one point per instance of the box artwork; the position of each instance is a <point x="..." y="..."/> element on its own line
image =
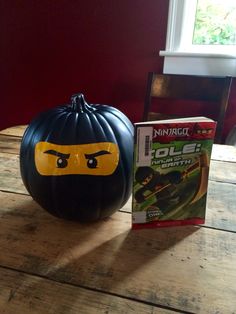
<point x="170" y="173"/>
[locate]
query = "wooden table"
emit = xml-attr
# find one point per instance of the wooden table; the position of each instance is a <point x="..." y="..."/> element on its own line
<point x="48" y="265"/>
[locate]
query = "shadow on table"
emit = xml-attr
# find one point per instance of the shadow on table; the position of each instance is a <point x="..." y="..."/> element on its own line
<point x="107" y="256"/>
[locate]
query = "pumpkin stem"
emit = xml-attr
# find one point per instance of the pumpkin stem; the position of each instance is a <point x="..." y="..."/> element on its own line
<point x="79" y="104"/>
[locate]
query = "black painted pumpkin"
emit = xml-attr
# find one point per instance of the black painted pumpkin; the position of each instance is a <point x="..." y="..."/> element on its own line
<point x="76" y="160"/>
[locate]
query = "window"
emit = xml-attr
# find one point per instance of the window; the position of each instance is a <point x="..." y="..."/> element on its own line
<point x="201" y="37"/>
<point x="215" y="24"/>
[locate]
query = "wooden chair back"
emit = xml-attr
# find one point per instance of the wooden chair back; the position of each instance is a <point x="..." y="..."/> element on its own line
<point x="188" y="87"/>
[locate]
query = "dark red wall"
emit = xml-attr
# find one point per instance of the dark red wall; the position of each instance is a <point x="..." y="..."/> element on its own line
<point x="103" y="48"/>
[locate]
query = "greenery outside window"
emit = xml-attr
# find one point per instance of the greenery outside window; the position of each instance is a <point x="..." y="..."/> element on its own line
<point x="201" y="38"/>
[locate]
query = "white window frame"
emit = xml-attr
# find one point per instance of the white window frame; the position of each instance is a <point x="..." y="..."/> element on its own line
<point x="180" y="58"/>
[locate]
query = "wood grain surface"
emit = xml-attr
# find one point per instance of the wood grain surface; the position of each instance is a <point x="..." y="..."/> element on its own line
<point x="23" y="293"/>
<point x="180" y="267"/>
<point x="17" y="130"/>
<point x="49" y="265"/>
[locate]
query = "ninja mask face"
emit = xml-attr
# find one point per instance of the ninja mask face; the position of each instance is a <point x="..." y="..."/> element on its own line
<point x="97" y="159"/>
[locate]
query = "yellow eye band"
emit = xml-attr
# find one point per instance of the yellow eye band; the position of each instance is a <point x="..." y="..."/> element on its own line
<point x="98" y="159"/>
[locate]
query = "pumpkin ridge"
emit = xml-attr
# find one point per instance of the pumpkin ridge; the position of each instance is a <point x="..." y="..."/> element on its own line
<point x="124" y="119"/>
<point x="121" y="159"/>
<point x="92" y="117"/>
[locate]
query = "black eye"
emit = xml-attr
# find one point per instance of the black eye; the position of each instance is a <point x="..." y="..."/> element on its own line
<point x="92" y="163"/>
<point x="62" y="162"/>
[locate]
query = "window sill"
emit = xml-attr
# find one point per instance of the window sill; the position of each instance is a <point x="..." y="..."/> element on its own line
<point x="191" y="63"/>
